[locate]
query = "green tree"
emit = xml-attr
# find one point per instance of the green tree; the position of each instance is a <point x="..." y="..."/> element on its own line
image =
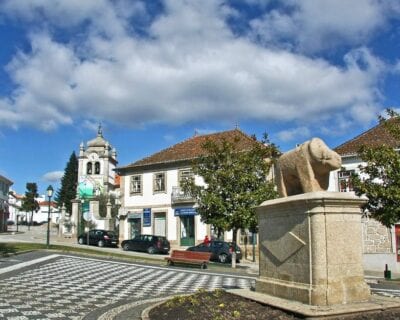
<point x="379" y="179"/>
<point x="30" y="204"/>
<point x="69" y="183"/>
<point x="235" y="183"/>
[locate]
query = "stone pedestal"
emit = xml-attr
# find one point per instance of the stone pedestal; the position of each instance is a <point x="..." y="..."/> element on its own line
<point x="311" y="249"/>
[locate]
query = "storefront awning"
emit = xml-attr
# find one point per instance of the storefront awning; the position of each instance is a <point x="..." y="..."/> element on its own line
<point x="185" y="212"/>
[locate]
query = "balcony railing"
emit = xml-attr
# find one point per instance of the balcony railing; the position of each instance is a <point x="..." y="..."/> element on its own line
<point x="179" y="196"/>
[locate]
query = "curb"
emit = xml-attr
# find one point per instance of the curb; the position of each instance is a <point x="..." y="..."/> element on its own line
<point x="146" y="312"/>
<point x="114" y="312"/>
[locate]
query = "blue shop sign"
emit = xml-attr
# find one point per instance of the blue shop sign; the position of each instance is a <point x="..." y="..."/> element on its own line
<point x="185" y="212"/>
<point x="147" y="217"/>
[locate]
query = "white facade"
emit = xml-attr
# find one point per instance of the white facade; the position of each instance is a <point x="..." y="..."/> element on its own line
<point x="379" y="242"/>
<point x="5" y="185"/>
<point x="15" y="204"/>
<point x="96" y="176"/>
<point x="168" y="212"/>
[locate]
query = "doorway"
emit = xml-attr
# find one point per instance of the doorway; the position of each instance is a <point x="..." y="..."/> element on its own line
<point x="187" y="231"/>
<point x="135" y="227"/>
<point x="160" y="224"/>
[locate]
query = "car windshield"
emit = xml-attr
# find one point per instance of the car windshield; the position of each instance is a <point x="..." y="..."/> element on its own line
<point x="111" y="234"/>
<point x="218" y="244"/>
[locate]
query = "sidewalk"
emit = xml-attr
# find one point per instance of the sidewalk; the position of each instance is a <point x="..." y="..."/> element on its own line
<point x="38" y="234"/>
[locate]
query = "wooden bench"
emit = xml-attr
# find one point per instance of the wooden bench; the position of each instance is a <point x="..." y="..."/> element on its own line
<point x="189" y="257"/>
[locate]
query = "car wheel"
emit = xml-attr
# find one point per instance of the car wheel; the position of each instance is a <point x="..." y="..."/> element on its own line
<point x="101" y="243"/>
<point x="151" y="250"/>
<point x="223" y="257"/>
<point x="126" y="247"/>
<point x="80" y="240"/>
<point x="203" y="266"/>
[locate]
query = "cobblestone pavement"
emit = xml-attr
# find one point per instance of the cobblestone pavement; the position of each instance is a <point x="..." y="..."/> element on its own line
<point x="67" y="287"/>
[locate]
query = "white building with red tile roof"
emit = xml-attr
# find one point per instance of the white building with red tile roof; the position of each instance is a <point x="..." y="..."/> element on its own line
<point x="15" y="204"/>
<point x="5" y="185"/>
<point x="151" y="195"/>
<point x="381" y="245"/>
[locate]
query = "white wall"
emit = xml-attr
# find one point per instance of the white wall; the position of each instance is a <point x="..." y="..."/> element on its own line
<point x="158" y="202"/>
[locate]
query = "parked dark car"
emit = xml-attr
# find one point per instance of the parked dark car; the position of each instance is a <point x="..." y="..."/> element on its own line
<point x="220" y="250"/>
<point x="98" y="237"/>
<point x="148" y="243"/>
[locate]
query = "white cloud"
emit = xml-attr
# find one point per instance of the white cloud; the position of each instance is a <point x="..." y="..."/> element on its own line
<point x="191" y="68"/>
<point x="396" y="67"/>
<point x="169" y="138"/>
<point x="294" y="134"/>
<point x="313" y="25"/>
<point x="53" y="176"/>
<point x="204" y="131"/>
<point x="104" y="17"/>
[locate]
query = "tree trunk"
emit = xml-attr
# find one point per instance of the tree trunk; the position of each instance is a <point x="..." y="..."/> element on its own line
<point x="234" y="234"/>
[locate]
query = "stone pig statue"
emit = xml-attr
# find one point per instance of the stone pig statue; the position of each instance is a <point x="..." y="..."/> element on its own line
<point x="306" y="168"/>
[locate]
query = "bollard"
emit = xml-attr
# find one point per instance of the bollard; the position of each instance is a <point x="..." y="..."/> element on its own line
<point x="387" y="273"/>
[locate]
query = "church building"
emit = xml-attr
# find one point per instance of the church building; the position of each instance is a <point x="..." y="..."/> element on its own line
<point x="96" y="180"/>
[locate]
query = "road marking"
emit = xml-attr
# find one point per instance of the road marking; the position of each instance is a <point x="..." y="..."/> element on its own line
<point x="9" y="260"/>
<point x="27" y="263"/>
<point x="385" y="290"/>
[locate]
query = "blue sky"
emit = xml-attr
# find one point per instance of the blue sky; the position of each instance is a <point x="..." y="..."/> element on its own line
<point x="154" y="72"/>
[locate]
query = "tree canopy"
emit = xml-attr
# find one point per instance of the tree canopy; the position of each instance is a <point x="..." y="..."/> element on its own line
<point x="30" y="204"/>
<point x="69" y="183"/>
<point x="379" y="179"/>
<point x="235" y="182"/>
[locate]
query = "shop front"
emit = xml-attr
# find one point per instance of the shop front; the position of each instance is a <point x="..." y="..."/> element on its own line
<point x="187" y="225"/>
<point x="135" y="224"/>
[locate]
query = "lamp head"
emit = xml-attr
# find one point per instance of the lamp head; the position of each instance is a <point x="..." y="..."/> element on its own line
<point x="50" y="191"/>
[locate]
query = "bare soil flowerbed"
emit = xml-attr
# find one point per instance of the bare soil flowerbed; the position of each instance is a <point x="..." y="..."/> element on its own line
<point x="221" y="305"/>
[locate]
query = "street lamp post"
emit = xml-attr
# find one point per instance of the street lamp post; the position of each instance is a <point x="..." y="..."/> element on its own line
<point x="49" y="194"/>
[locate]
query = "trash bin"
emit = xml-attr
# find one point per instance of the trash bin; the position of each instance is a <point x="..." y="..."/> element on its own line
<point x="387" y="273"/>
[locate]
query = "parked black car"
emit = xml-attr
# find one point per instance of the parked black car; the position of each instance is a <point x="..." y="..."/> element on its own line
<point x="98" y="237"/>
<point x="145" y="242"/>
<point x="220" y="250"/>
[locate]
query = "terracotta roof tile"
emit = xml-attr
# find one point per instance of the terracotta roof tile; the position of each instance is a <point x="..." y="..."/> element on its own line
<point x="117" y="180"/>
<point x="46" y="204"/>
<point x="375" y="136"/>
<point x="192" y="148"/>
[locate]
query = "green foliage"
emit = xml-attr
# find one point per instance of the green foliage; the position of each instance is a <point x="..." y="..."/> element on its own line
<point x="379" y="180"/>
<point x="30" y="204"/>
<point x="236" y="182"/>
<point x="69" y="182"/>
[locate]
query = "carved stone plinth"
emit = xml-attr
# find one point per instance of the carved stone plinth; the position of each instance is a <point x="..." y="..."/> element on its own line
<point x="311" y="249"/>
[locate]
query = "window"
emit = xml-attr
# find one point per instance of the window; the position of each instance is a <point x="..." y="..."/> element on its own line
<point x="97" y="168"/>
<point x="159" y="182"/>
<point x="136" y="184"/>
<point x="89" y="168"/>
<point x="344" y="180"/>
<point x="184" y="174"/>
